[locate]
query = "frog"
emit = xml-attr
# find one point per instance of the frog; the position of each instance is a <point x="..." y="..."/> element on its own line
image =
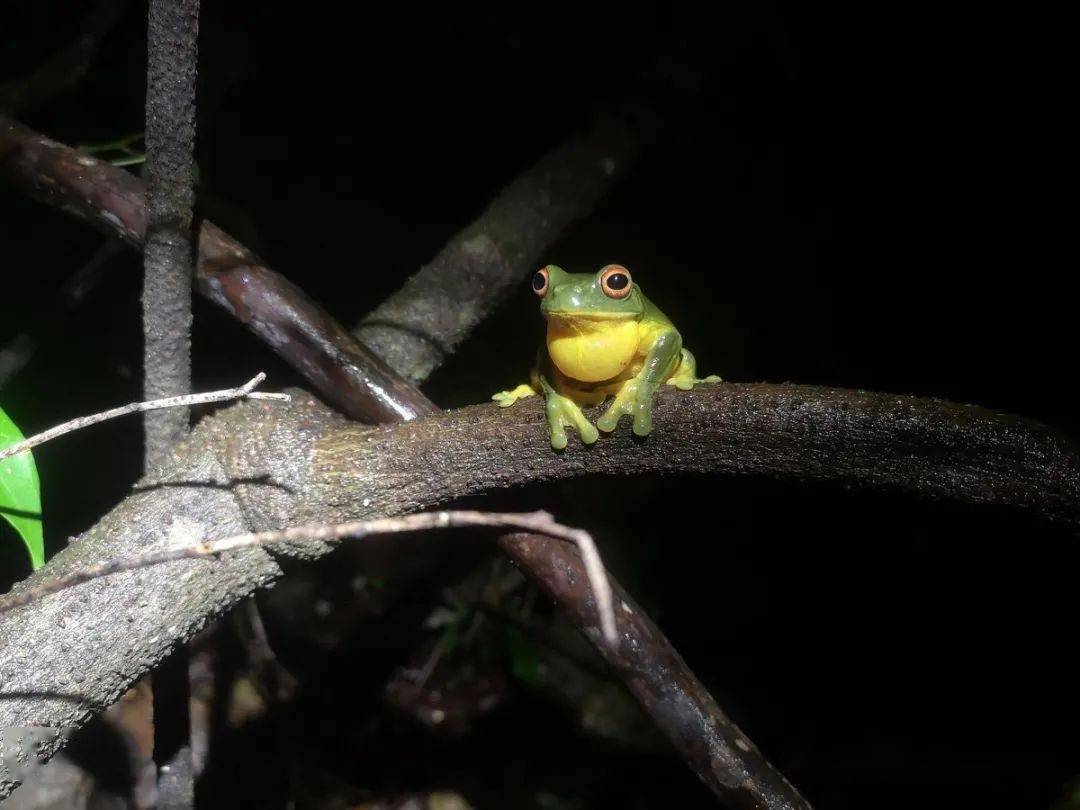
<point x="604" y="338"/>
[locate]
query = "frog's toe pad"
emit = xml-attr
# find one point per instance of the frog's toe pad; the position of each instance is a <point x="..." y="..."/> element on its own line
<point x="608" y="422"/>
<point x="588" y="433"/>
<point x="642" y="424"/>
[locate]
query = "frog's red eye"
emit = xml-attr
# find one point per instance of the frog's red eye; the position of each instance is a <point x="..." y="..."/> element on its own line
<point x="540" y="282"/>
<point x="615" y="281"/>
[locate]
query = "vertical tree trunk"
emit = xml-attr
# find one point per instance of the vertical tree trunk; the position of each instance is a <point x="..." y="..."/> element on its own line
<point x="170" y="196"/>
<point x="169" y="266"/>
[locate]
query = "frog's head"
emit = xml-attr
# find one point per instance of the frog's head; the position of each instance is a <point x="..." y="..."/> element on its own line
<point x="592" y="320"/>
<point x="609" y="295"/>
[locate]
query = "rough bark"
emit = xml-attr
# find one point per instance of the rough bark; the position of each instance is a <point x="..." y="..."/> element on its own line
<point x="169" y="262"/>
<point x="415" y="330"/>
<point x="170" y="197"/>
<point x="883" y="441"/>
<point x="168" y="259"/>
<point x="265" y="465"/>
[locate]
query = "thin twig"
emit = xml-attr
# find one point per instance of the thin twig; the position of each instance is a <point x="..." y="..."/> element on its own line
<point x="538" y="522"/>
<point x="246" y="390"/>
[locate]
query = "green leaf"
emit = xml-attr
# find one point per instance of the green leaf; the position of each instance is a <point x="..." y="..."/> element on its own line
<point x="20" y="493"/>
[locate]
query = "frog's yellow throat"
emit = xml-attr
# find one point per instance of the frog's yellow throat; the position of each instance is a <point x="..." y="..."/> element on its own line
<point x="593" y="347"/>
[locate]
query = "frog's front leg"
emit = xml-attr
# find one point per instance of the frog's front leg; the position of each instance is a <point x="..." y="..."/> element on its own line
<point x="563" y="412"/>
<point x="636" y="395"/>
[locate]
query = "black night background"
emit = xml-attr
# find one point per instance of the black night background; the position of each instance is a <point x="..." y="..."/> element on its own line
<point x="868" y="196"/>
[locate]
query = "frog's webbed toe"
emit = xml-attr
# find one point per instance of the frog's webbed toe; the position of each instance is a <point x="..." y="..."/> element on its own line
<point x="684" y="383"/>
<point x="504" y="399"/>
<point x="562" y="412"/>
<point x="685" y="377"/>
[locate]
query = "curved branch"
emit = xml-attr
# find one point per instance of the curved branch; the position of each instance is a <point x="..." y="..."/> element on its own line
<point x="883" y="441"/>
<point x="263" y="465"/>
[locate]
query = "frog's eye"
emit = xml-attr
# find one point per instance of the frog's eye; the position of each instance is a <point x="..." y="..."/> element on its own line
<point x="540" y="282"/>
<point x="615" y="281"/>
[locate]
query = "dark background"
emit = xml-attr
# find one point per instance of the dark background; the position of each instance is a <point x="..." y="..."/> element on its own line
<point x="867" y="197"/>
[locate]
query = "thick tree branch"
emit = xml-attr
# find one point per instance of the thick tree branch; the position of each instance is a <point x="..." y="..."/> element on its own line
<point x="415" y="330"/>
<point x="883" y="441"/>
<point x="262" y="465"/>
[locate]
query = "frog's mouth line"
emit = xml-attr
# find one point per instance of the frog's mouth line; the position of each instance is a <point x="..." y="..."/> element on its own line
<point x="578" y="315"/>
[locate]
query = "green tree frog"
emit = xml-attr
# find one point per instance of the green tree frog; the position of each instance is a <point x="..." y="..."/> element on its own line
<point x="604" y="337"/>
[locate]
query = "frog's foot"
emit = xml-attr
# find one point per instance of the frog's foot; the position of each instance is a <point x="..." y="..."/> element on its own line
<point x="685" y="376"/>
<point x="635" y="398"/>
<point x="686" y="382"/>
<point x="505" y="399"/>
<point x="563" y="412"/>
